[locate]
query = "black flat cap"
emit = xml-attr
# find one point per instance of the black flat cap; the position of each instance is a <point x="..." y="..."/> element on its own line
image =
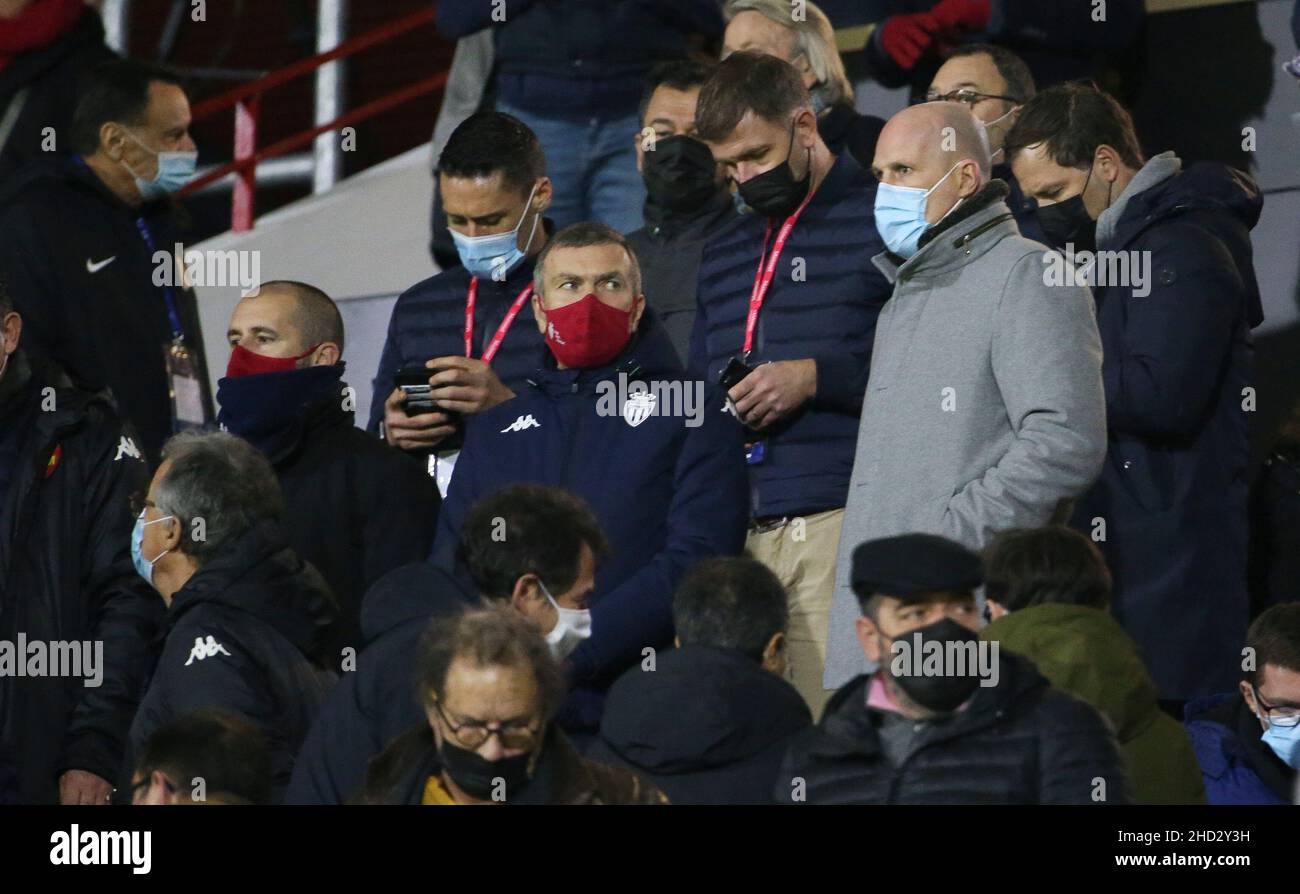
<point x="911" y="564"/>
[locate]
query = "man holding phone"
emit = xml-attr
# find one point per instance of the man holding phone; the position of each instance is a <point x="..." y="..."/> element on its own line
<point x="464" y="340"/>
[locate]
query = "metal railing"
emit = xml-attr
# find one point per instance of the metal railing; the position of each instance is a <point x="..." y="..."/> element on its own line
<point x="246" y="102"/>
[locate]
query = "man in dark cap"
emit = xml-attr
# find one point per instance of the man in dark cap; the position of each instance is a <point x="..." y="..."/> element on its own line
<point x="945" y="718"/>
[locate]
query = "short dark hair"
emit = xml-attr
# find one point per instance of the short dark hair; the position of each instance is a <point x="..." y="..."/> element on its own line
<point x="1274" y="638"/>
<point x="1033" y="566"/>
<point x="679" y="74"/>
<point x="1073" y="120"/>
<point x="230" y="755"/>
<point x="582" y="235"/>
<point x="528" y="529"/>
<point x="115" y="91"/>
<point x="730" y="602"/>
<point x="747" y="82"/>
<point x="221" y="479"/>
<point x="489" y="141"/>
<point x="488" y="636"/>
<point x="319" y="316"/>
<point x="1012" y="69"/>
<point x="6" y="300"/>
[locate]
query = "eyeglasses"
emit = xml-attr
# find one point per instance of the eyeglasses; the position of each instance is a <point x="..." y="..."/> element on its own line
<point x="1285" y="721"/>
<point x="966" y="95"/>
<point x="515" y="736"/>
<point x="139" y="502"/>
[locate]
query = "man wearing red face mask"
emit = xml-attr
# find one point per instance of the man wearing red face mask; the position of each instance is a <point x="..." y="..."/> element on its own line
<point x="355" y="507"/>
<point x="611" y="416"/>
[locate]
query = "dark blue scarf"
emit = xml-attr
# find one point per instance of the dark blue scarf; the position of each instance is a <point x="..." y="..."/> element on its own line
<point x="273" y="410"/>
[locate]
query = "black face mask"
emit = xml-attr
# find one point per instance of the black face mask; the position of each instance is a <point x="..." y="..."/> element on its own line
<point x="680" y="174"/>
<point x="476" y="776"/>
<point x="1068" y="222"/>
<point x="937" y="693"/>
<point x="776" y="193"/>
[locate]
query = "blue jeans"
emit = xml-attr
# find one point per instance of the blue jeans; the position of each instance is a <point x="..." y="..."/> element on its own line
<point x="592" y="164"/>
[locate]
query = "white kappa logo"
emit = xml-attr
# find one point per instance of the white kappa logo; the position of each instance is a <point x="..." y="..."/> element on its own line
<point x="522" y="423"/>
<point x="96" y="266"/>
<point x="639" y="407"/>
<point x="126" y="447"/>
<point x="205" y="648"/>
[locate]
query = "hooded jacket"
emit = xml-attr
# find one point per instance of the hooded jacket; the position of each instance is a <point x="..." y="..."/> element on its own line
<point x="355" y="508"/>
<point x="245" y="634"/>
<point x="66" y="576"/>
<point x="1084" y="652"/>
<point x="708" y="726"/>
<point x="984" y="407"/>
<point x="1179" y="361"/>
<point x="78" y="268"/>
<point x="562" y="776"/>
<point x="1018" y="742"/>
<point x="374" y="703"/>
<point x="1237" y="765"/>
<point x="668" y="490"/>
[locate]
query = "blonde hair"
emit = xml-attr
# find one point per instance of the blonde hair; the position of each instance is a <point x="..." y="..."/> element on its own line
<point x="814" y="40"/>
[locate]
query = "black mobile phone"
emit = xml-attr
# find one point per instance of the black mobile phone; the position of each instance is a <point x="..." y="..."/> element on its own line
<point x="414" y="383"/>
<point x="735" y="371"/>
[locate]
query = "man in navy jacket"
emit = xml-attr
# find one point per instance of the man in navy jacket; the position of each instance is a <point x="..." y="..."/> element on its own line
<point x="610" y="416"/>
<point x="1176" y="294"/>
<point x="813" y="236"/>
<point x="493" y="183"/>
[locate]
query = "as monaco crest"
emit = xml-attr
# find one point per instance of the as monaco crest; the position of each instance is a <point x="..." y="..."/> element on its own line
<point x="639" y="407"/>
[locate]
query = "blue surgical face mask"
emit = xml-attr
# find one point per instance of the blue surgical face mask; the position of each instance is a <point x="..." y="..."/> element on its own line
<point x="175" y="169"/>
<point x="900" y="214"/>
<point x="143" y="566"/>
<point x="496" y="255"/>
<point x="1284" y="742"/>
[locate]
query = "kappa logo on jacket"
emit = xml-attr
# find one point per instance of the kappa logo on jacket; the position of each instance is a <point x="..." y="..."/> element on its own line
<point x="126" y="447"/>
<point x="523" y="422"/>
<point x="205" y="648"/>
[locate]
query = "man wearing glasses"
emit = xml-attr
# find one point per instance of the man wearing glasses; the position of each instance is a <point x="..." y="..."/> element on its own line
<point x="490" y="688"/>
<point x="1249" y="747"/>
<point x="994" y="83"/>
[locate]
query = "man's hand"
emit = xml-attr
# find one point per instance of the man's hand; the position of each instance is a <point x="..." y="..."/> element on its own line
<point x="81" y="787"/>
<point x="420" y="432"/>
<point x="773" y="390"/>
<point x="466" y="385"/>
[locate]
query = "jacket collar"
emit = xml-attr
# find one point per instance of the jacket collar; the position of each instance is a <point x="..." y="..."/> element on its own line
<point x="278" y="411"/>
<point x="663" y="224"/>
<point x="1156" y="171"/>
<point x="967" y="234"/>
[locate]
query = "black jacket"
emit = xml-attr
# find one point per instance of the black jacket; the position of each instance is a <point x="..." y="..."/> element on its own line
<point x="845" y="129"/>
<point x="66" y="574"/>
<point x="668" y="250"/>
<point x="376" y="703"/>
<point x="1019" y="742"/>
<point x="562" y="776"/>
<point x="707" y="726"/>
<point x="262" y="614"/>
<point x="1178" y="361"/>
<point x="105" y="323"/>
<point x="48" y="80"/>
<point x="355" y="508"/>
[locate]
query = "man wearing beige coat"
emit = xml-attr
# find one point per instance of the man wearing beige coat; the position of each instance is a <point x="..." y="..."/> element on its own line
<point x="984" y="407"/>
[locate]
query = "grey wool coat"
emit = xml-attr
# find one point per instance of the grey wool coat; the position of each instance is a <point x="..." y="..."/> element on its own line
<point x="984" y="407"/>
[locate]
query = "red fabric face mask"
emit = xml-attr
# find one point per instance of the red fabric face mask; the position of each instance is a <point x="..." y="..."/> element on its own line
<point x="587" y="332"/>
<point x="244" y="362"/>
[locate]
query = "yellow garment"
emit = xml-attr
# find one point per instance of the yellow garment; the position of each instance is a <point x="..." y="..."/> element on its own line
<point x="436" y="794"/>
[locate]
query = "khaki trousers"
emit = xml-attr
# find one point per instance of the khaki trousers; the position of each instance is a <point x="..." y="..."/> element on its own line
<point x="801" y="553"/>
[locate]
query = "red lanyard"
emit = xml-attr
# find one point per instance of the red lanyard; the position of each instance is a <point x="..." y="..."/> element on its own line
<point x="763" y="276"/>
<point x="495" y="343"/>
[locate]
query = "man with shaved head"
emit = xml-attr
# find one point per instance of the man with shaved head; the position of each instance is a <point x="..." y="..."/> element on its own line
<point x="355" y="507"/>
<point x="984" y="407"/>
